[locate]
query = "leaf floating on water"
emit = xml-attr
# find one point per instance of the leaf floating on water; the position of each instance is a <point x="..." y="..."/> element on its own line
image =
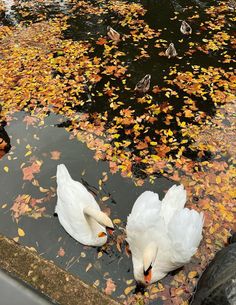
<point x="21" y="232"/>
<point x="61" y="252"/>
<point x="192" y="274"/>
<point x="89" y="266"/>
<point x="129" y="289"/>
<point x="29" y="171"/>
<point x="43" y="190"/>
<point x="6" y="169"/>
<point x="105" y="198"/>
<point x="96" y="283"/>
<point x="99" y="254"/>
<point x="110" y="287"/>
<point x="116" y="221"/>
<point x="55" y="155"/>
<point x="16" y="239"/>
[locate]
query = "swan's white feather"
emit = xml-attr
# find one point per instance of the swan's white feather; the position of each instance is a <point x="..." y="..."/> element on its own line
<point x="185" y="233"/>
<point x="173" y="201"/>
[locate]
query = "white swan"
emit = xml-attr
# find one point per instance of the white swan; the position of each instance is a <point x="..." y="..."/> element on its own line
<point x="78" y="211"/>
<point x="162" y="235"/>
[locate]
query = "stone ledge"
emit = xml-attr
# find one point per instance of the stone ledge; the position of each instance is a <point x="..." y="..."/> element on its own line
<point x="43" y="275"/>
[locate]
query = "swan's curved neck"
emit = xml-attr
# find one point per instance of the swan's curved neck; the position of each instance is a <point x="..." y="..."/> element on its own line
<point x="149" y="255"/>
<point x="98" y="216"/>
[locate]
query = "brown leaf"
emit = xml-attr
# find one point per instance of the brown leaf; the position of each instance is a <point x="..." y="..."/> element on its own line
<point x="61" y="252"/>
<point x="29" y="171"/>
<point x="55" y="155"/>
<point x="110" y="287"/>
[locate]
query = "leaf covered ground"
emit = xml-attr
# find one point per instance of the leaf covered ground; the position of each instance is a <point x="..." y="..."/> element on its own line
<point x="61" y="61"/>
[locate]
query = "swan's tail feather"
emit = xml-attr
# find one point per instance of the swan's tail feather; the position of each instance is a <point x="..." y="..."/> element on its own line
<point x="185" y="231"/>
<point x="173" y="201"/>
<point x="62" y="174"/>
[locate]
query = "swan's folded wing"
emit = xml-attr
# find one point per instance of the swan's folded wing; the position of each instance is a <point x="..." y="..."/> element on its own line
<point x="146" y="201"/>
<point x="185" y="233"/>
<point x="173" y="201"/>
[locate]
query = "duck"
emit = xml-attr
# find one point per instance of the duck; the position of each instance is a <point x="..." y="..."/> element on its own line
<point x="78" y="212"/>
<point x="171" y="51"/>
<point x="217" y="284"/>
<point x="162" y="235"/>
<point x="143" y="85"/>
<point x="113" y="34"/>
<point x="185" y="28"/>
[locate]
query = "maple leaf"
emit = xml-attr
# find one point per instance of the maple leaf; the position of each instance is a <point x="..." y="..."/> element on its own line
<point x="29" y="171"/>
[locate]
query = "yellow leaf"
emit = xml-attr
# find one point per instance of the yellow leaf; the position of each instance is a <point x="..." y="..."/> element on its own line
<point x="6" y="169"/>
<point x="28" y="153"/>
<point x="116" y="221"/>
<point x="129" y="289"/>
<point x="21" y="232"/>
<point x="218" y="179"/>
<point x="88" y="267"/>
<point x="105" y="198"/>
<point x="192" y="274"/>
<point x="43" y="190"/>
<point x="99" y="254"/>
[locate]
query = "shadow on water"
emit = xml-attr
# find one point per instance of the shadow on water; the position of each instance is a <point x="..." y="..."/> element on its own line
<point x="45" y="234"/>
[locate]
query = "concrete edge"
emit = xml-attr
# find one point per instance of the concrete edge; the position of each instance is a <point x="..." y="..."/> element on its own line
<point x="43" y="275"/>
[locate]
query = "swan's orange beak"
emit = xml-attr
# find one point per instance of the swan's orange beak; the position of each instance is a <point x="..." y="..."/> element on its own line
<point x="148" y="276"/>
<point x="102" y="234"/>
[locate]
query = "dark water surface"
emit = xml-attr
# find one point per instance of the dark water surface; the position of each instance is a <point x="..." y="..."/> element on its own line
<point x="45" y="234"/>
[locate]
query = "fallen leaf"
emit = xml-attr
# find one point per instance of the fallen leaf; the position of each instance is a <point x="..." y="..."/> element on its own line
<point x="110" y="287"/>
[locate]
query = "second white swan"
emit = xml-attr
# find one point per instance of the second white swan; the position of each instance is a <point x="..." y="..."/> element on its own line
<point x="162" y="235"/>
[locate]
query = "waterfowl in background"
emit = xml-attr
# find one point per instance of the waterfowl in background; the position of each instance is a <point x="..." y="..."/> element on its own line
<point x="185" y="28"/>
<point x="143" y="85"/>
<point x="113" y="34"/>
<point x="171" y="51"/>
<point x="162" y="235"/>
<point x="78" y="211"/>
<point x="217" y="285"/>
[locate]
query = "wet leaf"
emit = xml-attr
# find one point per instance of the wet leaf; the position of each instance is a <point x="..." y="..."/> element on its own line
<point x="110" y="287"/>
<point x="21" y="232"/>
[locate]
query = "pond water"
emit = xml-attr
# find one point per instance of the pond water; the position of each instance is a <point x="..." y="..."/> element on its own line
<point x="60" y="72"/>
<point x="45" y="234"/>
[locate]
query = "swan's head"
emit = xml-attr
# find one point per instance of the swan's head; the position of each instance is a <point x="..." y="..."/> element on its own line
<point x="144" y="265"/>
<point x="149" y="257"/>
<point x="100" y="224"/>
